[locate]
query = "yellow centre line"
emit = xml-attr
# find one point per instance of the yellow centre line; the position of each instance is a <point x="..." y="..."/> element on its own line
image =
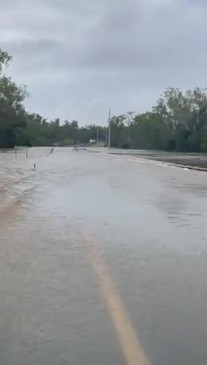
<point x="126" y="333"/>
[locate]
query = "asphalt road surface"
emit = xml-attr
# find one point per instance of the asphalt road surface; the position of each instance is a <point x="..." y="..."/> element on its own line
<point x="103" y="260"/>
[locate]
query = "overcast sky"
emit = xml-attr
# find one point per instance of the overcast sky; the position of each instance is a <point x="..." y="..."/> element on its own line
<point x="78" y="57"/>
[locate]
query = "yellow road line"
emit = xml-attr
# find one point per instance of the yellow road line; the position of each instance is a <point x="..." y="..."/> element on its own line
<point x="126" y="333"/>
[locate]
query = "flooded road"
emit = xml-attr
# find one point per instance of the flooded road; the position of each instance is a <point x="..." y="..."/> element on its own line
<point x="103" y="260"/>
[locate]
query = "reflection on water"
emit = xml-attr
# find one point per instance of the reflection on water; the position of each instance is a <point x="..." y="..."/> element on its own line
<point x="149" y="223"/>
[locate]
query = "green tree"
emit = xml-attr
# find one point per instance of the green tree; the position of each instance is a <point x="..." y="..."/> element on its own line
<point x="117" y="129"/>
<point x="4" y="60"/>
<point x="12" y="112"/>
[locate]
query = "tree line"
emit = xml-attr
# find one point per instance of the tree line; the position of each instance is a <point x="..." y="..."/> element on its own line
<point x="21" y="128"/>
<point x="178" y="122"/>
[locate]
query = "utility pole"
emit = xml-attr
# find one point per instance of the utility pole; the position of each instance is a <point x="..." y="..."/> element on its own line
<point x="109" y="129"/>
<point x="97" y="137"/>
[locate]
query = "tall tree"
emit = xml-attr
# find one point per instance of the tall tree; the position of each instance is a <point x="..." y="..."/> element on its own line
<point x="12" y="112"/>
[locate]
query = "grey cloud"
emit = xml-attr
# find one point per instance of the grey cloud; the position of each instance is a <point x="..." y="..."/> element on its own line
<point x="77" y="57"/>
<point x="30" y="48"/>
<point x="147" y="40"/>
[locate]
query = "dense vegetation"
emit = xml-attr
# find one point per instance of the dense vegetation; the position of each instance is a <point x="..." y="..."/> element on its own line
<point x="178" y="122"/>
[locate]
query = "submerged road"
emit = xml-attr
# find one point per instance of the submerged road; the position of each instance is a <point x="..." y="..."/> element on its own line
<point x="103" y="260"/>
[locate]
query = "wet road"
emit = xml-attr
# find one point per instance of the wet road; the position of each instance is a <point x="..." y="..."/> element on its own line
<point x="103" y="260"/>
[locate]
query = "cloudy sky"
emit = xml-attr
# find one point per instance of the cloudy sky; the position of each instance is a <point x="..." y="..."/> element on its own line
<point x="78" y="57"/>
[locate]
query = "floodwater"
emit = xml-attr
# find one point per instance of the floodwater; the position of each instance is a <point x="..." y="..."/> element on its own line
<point x="147" y="224"/>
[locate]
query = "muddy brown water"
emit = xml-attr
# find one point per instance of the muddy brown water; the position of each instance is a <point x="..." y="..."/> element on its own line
<point x="148" y="222"/>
